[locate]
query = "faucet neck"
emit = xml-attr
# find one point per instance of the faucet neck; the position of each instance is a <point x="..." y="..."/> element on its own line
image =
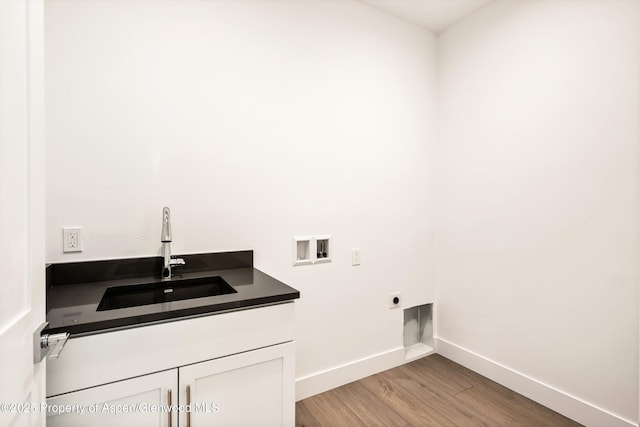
<point x="166" y="254"/>
<point x="166" y="226"/>
<point x="165" y="238"/>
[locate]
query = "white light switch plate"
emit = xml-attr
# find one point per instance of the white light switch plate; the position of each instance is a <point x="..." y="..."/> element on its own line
<point x="355" y="256"/>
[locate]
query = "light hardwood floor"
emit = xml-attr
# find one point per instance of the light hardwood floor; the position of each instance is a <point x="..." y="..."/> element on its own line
<point x="432" y="391"/>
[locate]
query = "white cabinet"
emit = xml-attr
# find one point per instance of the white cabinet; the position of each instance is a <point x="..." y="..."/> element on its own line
<point x="254" y="388"/>
<point x="105" y="406"/>
<point x="238" y="367"/>
<point x="247" y="389"/>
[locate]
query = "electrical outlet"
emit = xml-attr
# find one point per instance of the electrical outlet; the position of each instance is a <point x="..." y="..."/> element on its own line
<point x="72" y="239"/>
<point x="355" y="256"/>
<point x="394" y="300"/>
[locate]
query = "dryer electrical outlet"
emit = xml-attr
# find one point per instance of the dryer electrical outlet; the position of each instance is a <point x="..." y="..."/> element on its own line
<point x="395" y="300"/>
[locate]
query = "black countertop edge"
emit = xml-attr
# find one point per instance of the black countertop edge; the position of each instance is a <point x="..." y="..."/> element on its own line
<point x="113" y="325"/>
<point x="69" y="273"/>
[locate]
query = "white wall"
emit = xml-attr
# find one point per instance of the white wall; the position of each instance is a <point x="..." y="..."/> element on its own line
<point x="537" y="213"/>
<point x="254" y="121"/>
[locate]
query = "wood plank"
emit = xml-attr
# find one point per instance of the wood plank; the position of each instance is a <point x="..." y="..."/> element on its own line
<point x="371" y="410"/>
<point x="304" y="417"/>
<point x="451" y="370"/>
<point x="416" y="411"/>
<point x="437" y="379"/>
<point x="441" y="401"/>
<point x="328" y="410"/>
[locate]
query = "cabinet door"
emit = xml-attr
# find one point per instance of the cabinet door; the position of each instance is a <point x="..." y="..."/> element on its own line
<point x="104" y="406"/>
<point x="255" y="388"/>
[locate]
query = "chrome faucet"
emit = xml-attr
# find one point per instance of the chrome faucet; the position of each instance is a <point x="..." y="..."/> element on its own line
<point x="165" y="238"/>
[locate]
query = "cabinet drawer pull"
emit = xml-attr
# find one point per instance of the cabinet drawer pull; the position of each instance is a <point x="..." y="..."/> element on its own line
<point x="188" y="406"/>
<point x="170" y="413"/>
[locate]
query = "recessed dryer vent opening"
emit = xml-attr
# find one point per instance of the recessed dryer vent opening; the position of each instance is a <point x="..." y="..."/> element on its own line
<point x="418" y="331"/>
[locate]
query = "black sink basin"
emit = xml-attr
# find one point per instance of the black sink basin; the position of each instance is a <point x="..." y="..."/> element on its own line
<point x="158" y="292"/>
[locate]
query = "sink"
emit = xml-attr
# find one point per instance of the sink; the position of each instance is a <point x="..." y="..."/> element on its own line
<point x="159" y="292"/>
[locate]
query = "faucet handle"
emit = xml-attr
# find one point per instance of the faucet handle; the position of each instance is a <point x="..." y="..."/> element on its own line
<point x="176" y="262"/>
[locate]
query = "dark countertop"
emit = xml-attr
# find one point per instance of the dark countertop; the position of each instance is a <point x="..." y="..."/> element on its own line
<point x="73" y="294"/>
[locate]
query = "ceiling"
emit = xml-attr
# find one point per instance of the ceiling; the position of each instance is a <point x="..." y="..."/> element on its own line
<point x="432" y="15"/>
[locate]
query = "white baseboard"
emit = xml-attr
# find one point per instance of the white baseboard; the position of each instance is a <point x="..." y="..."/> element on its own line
<point x="320" y="382"/>
<point x="564" y="403"/>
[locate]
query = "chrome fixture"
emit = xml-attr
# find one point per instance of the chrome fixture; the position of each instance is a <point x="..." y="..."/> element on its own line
<point x="47" y="344"/>
<point x="165" y="238"/>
